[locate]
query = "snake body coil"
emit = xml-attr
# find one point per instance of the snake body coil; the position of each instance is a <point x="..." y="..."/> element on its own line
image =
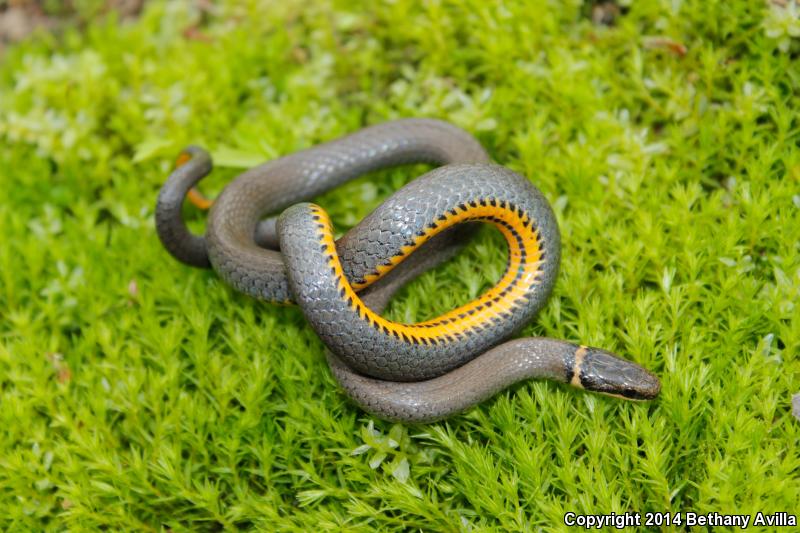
<point x="411" y="372"/>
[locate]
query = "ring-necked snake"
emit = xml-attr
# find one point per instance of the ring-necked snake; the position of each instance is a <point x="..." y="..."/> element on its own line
<point x="410" y="372"/>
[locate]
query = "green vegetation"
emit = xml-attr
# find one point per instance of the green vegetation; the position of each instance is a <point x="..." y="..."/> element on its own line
<point x="140" y="394"/>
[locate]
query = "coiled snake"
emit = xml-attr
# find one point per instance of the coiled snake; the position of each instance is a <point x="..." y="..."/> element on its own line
<point x="409" y="372"/>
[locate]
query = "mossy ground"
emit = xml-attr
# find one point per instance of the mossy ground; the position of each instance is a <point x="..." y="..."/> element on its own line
<point x="140" y="394"/>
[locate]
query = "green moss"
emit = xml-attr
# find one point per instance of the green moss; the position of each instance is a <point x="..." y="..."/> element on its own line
<point x="140" y="394"/>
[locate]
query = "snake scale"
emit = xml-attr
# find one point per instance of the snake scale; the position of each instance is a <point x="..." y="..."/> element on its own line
<point x="408" y="372"/>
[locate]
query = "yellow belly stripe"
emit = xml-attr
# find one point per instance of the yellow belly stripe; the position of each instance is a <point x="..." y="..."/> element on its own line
<point x="524" y="265"/>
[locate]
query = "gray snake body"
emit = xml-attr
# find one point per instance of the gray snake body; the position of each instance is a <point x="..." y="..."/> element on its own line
<point x="410" y="372"/>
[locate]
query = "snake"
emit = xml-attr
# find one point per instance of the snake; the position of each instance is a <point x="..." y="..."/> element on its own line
<point x="265" y="239"/>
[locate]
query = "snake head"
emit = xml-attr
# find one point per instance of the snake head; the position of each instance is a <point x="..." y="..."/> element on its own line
<point x="601" y="371"/>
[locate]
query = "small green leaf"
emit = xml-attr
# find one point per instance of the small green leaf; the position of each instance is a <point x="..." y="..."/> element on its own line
<point x="151" y="148"/>
<point x="401" y="470"/>
<point x="225" y="156"/>
<point x="376" y="460"/>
